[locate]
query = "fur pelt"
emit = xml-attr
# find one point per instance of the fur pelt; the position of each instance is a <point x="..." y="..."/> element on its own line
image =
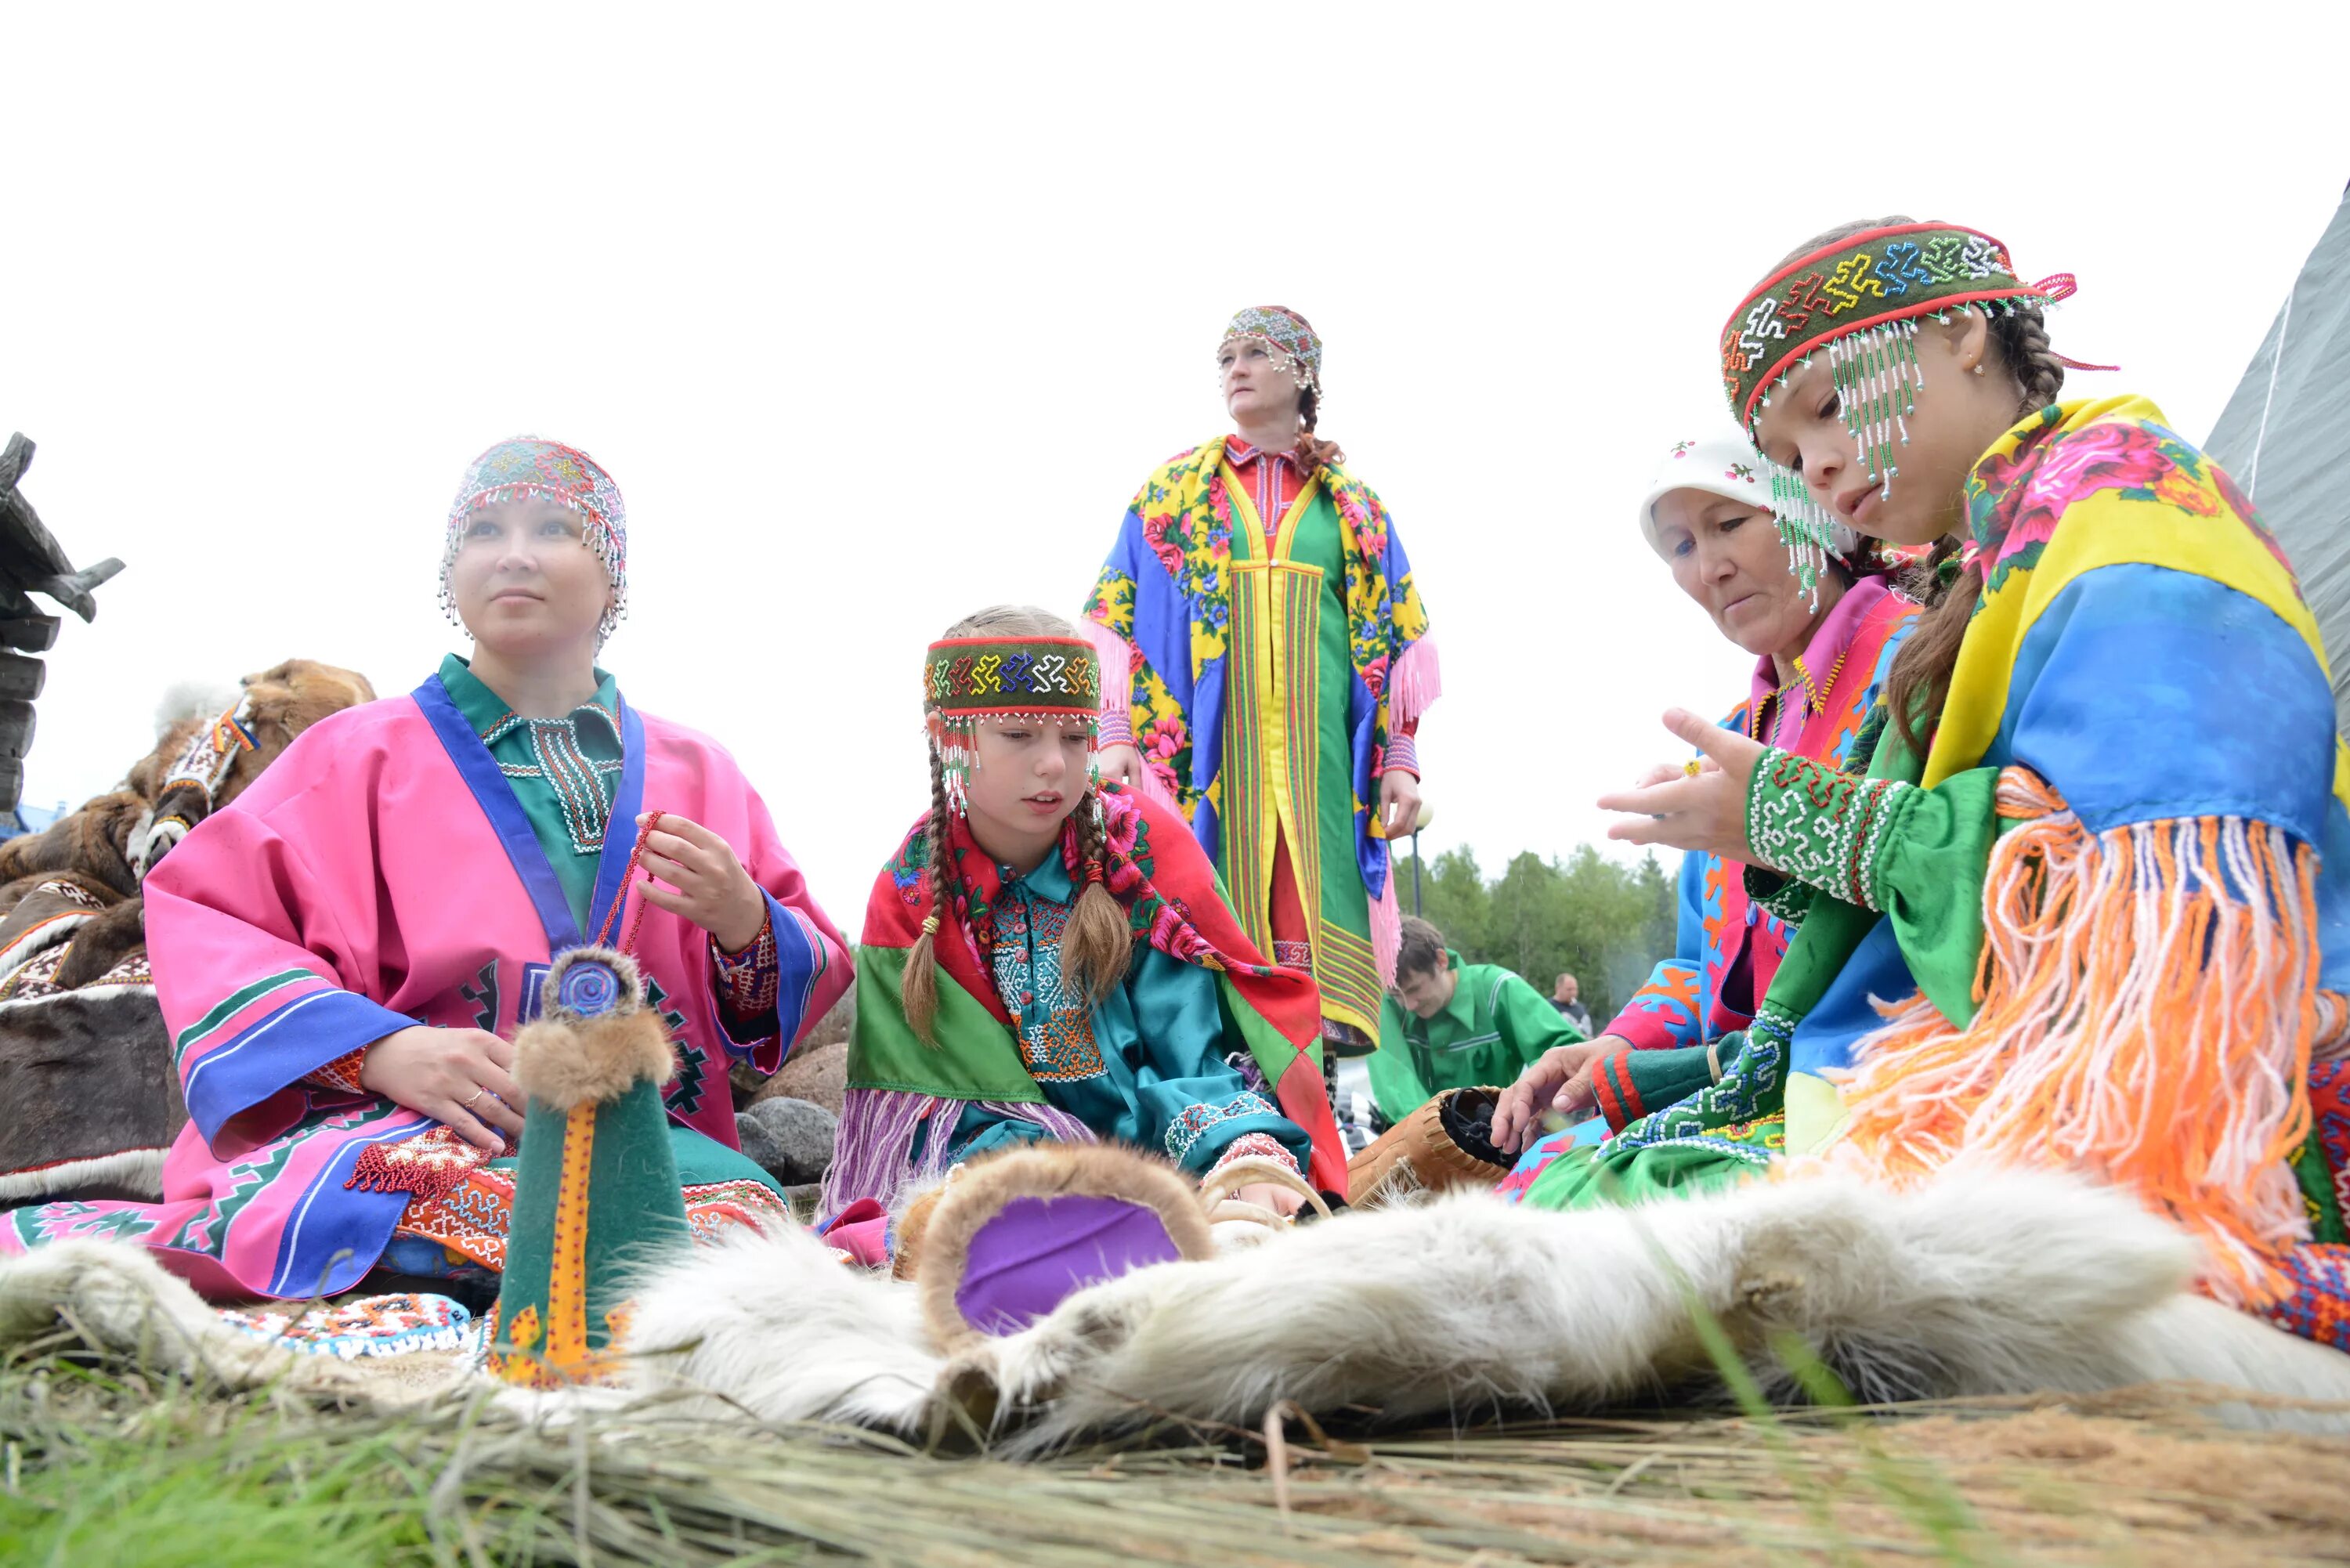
<point x="285" y="699"/>
<point x="94" y="841"/>
<point x="120" y="1301"/>
<point x="93" y="1100"/>
<point x="1048" y="1170"/>
<point x="1979" y="1282"/>
<point x="564" y="1060"/>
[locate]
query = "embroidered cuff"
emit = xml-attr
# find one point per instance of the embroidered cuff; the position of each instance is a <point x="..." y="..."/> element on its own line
<point x="342" y="1073"/>
<point x="1784" y="897"/>
<point x="1116" y="725"/>
<point x="1402" y="753"/>
<point x="1828" y="829"/>
<point x="1256" y="1146"/>
<point x="747" y="981"/>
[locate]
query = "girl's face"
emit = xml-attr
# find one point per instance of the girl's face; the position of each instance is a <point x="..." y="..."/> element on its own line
<point x="1727" y="555"/>
<point x="1959" y="414"/>
<point x="1255" y="386"/>
<point x="1030" y="775"/>
<point x="524" y="580"/>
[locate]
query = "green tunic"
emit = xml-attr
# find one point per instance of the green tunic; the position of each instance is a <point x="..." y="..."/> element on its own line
<point x="1492" y="1030"/>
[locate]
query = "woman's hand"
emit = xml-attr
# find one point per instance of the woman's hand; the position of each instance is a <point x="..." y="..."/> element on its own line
<point x="706" y="884"/>
<point x="462" y="1079"/>
<point x="1282" y="1201"/>
<point x="1701" y="811"/>
<point x="1120" y="765"/>
<point x="1398" y="803"/>
<point x="1557" y="1083"/>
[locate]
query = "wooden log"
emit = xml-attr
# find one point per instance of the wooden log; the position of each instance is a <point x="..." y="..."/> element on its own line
<point x="15" y="728"/>
<point x="12" y="783"/>
<point x="32" y="633"/>
<point x="21" y="677"/>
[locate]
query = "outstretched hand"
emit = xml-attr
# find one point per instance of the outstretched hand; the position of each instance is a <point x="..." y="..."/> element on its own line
<point x="1555" y="1084"/>
<point x="1702" y="811"/>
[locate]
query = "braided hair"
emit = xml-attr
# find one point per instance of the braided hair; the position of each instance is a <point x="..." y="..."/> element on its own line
<point x="1097" y="943"/>
<point x="1919" y="682"/>
<point x="1312" y="452"/>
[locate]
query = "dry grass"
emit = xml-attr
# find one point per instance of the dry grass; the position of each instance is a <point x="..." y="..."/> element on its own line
<point x="98" y="1465"/>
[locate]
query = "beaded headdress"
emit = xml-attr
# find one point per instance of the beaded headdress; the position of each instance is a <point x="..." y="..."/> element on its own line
<point x="968" y="681"/>
<point x="524" y="468"/>
<point x="1858" y="301"/>
<point x="1287" y="335"/>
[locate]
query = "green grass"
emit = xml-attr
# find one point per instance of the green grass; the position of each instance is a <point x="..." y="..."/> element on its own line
<point x="114" y="1469"/>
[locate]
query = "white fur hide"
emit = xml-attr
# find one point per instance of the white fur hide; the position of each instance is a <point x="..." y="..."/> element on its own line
<point x="115" y="1298"/>
<point x="1978" y="1284"/>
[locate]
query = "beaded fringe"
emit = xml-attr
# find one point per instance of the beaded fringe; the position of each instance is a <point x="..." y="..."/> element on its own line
<point x="2145" y="1007"/>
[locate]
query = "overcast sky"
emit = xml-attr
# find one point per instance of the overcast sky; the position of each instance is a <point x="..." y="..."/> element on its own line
<point x="880" y="315"/>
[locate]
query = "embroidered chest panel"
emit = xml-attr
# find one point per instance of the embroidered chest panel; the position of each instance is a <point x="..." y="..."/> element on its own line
<point x="1056" y="1022"/>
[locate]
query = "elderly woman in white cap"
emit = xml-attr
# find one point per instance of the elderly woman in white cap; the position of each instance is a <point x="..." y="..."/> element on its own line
<point x="1822" y="623"/>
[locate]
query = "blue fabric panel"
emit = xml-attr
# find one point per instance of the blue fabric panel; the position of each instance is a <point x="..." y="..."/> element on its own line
<point x="2227" y="713"/>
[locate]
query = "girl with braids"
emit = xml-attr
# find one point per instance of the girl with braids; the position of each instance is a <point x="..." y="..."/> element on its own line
<point x="2078" y="897"/>
<point x="1046" y="958"/>
<point x="1270" y="662"/>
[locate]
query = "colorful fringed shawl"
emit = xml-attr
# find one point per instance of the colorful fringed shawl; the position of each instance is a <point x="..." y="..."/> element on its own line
<point x="905" y="1095"/>
<point x="2101" y="889"/>
<point x="1216" y="614"/>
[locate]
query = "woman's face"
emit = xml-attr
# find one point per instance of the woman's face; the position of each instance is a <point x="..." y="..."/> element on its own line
<point x="1727" y="555"/>
<point x="1255" y="387"/>
<point x="524" y="580"/>
<point x="1030" y="775"/>
<point x="1958" y="415"/>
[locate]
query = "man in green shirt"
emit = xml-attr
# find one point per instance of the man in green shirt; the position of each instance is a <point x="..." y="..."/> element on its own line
<point x="1451" y="1025"/>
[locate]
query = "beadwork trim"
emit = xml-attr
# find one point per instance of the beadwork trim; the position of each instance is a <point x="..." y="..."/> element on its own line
<point x="1825" y="828"/>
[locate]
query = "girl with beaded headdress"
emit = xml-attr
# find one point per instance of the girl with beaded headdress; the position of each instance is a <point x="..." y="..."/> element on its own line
<point x="347" y="952"/>
<point x="2077" y="895"/>
<point x="1046" y="961"/>
<point x="1271" y="663"/>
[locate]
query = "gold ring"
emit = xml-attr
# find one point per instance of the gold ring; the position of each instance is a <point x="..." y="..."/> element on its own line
<point x="1691" y="768"/>
<point x="479" y="1090"/>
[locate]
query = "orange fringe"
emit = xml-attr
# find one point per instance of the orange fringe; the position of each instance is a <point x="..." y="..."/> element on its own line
<point x="2145" y="1009"/>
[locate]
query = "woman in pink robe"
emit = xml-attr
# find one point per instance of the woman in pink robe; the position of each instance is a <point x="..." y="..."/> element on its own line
<point x="343" y="954"/>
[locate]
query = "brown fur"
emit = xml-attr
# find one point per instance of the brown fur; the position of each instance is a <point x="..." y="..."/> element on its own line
<point x="1047" y="1171"/>
<point x="91" y="846"/>
<point x="94" y="841"/>
<point x="570" y="1062"/>
<point x="98" y="947"/>
<point x="286" y="699"/>
<point x="13" y="894"/>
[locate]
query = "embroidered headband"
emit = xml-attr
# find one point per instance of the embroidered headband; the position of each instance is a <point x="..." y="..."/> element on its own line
<point x="968" y="681"/>
<point x="1858" y="301"/>
<point x="1287" y="334"/>
<point x="524" y="468"/>
<point x="1725" y="463"/>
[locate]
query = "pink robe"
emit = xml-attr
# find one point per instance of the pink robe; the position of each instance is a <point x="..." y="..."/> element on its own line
<point x="361" y="887"/>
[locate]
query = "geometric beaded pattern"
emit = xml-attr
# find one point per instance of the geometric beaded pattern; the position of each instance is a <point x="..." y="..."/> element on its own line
<point x="527" y="468"/>
<point x="1822" y="827"/>
<point x="1284" y="331"/>
<point x="1891" y="273"/>
<point x="578" y="779"/>
<point x="999" y="675"/>
<point x="1055" y="1021"/>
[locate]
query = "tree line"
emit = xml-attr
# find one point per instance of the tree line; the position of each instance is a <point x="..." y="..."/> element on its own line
<point x="1605" y="922"/>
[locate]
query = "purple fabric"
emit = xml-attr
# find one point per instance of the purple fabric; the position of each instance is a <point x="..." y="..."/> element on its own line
<point x="1037" y="1251"/>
